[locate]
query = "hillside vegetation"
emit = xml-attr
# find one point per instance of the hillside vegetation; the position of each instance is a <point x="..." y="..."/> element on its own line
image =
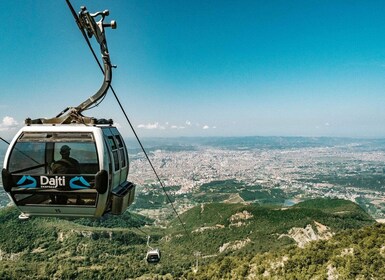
<point x="227" y="241"/>
<point x="351" y="254"/>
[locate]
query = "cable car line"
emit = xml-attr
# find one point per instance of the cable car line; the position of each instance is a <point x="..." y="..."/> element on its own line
<point x="1" y="138"/>
<point x="127" y="119"/>
<point x="142" y="231"/>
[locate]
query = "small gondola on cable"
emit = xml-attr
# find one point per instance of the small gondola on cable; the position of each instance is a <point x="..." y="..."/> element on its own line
<point x="71" y="165"/>
<point x="153" y="254"/>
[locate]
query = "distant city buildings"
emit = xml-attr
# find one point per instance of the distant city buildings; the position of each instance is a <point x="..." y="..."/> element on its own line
<point x="338" y="172"/>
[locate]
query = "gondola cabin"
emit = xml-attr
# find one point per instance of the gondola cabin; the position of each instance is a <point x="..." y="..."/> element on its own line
<point x="69" y="170"/>
<point x="153" y="256"/>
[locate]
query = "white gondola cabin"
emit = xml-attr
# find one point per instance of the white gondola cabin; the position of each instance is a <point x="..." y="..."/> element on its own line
<point x="153" y="256"/>
<point x="99" y="186"/>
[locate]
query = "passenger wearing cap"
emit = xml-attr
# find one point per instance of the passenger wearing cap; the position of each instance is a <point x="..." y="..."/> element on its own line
<point x="67" y="164"/>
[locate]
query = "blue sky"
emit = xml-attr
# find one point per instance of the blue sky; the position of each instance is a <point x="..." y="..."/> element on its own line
<point x="203" y="68"/>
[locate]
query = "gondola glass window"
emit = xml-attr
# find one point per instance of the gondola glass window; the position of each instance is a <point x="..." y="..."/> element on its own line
<point x="28" y="158"/>
<point x="114" y="152"/>
<point x="34" y="154"/>
<point x="121" y="150"/>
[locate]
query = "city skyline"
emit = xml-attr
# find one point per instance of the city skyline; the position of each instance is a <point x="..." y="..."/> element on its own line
<point x="223" y="68"/>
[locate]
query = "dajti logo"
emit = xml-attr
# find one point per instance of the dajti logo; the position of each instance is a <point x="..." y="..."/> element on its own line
<point x="79" y="182"/>
<point x="27" y="182"/>
<point x="52" y="182"/>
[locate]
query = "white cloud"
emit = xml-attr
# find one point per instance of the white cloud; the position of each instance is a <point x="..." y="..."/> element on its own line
<point x="155" y="125"/>
<point x="8" y="123"/>
<point x="170" y="126"/>
<point x="177" y="127"/>
<point x="149" y="125"/>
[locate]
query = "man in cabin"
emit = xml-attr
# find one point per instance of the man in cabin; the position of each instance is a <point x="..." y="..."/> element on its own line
<point x="67" y="164"/>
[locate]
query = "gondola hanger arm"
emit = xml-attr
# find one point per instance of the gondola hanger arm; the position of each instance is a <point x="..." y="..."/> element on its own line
<point x="88" y="24"/>
<point x="90" y="28"/>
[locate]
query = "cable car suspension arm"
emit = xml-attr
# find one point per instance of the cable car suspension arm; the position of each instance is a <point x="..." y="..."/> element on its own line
<point x="89" y="28"/>
<point x="86" y="22"/>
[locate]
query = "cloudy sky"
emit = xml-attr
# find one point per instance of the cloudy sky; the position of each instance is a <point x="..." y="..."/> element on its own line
<point x="203" y="68"/>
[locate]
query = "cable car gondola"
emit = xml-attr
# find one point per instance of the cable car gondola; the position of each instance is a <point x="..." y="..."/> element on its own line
<point x="71" y="165"/>
<point x="153" y="255"/>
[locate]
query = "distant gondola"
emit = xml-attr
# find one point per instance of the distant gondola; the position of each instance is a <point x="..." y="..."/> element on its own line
<point x="153" y="256"/>
<point x="71" y="165"/>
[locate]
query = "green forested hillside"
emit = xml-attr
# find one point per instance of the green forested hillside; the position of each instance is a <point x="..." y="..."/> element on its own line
<point x="227" y="241"/>
<point x="351" y="254"/>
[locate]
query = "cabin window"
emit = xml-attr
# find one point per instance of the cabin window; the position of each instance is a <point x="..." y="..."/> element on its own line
<point x="114" y="152"/>
<point x="36" y="153"/>
<point x="121" y="150"/>
<point x="112" y="142"/>
<point x="84" y="152"/>
<point x="28" y="158"/>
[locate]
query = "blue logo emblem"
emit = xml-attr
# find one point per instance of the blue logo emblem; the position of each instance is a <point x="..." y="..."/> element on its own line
<point x="27" y="182"/>
<point x="78" y="183"/>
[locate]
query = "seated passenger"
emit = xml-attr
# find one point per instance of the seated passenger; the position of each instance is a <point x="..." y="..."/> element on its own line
<point x="67" y="164"/>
